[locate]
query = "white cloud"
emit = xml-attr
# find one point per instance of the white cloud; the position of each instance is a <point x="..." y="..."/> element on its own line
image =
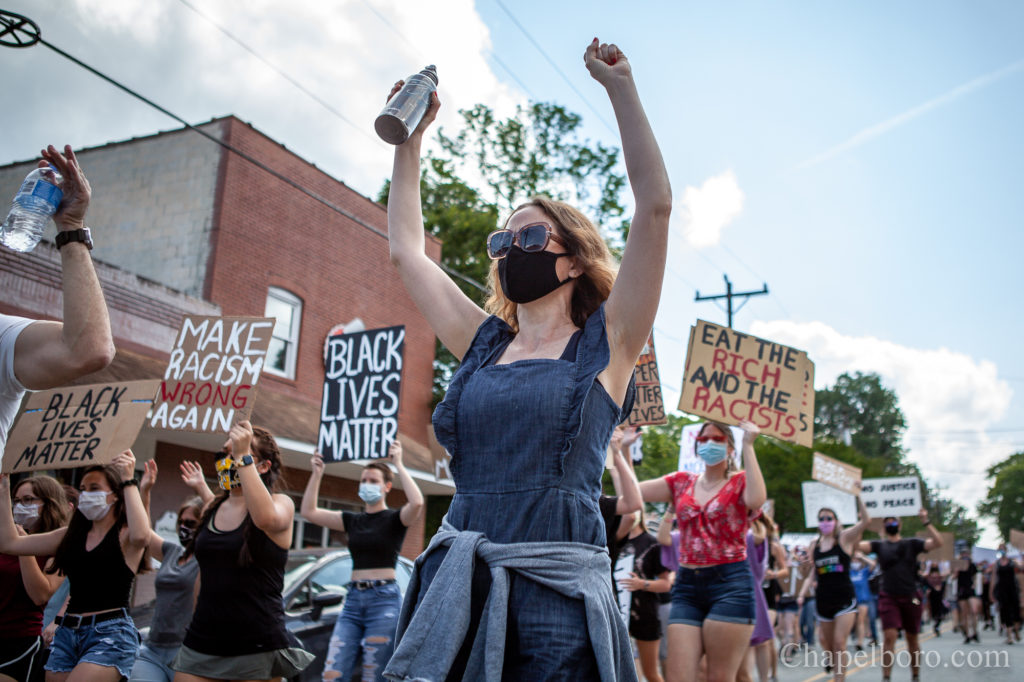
<point x="949" y="399"/>
<point x="706" y="210"/>
<point x="347" y="52"/>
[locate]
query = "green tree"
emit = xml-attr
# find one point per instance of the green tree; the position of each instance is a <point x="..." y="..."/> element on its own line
<point x="859" y="411"/>
<point x="1004" y="502"/>
<point x="489" y="166"/>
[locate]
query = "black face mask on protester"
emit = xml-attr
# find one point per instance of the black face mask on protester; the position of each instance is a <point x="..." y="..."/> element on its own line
<point x="892" y="528"/>
<point x="525" y="277"/>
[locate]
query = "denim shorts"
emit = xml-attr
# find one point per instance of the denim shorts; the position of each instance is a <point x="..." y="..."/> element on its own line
<point x="724" y="593"/>
<point x="112" y="643"/>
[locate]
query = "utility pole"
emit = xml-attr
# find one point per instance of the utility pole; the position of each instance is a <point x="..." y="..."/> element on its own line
<point x="729" y="295"/>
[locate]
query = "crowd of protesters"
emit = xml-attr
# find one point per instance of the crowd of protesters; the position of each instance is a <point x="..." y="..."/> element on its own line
<point x="534" y="575"/>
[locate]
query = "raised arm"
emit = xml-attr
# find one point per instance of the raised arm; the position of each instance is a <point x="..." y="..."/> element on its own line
<point x="309" y="509"/>
<point x="934" y="540"/>
<point x="414" y="504"/>
<point x="273" y="514"/>
<point x="755" y="492"/>
<point x="51" y="354"/>
<point x="633" y="302"/>
<point x="655" y="490"/>
<point x="849" y="539"/>
<point x="449" y="312"/>
<point x="134" y="545"/>
<point x="154" y="543"/>
<point x="665" y="527"/>
<point x="624" y="477"/>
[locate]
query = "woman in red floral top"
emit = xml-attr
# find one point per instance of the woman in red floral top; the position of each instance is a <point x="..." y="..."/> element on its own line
<point x="713" y="595"/>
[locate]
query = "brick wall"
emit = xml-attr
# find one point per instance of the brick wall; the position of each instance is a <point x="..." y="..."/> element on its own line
<point x="153" y="204"/>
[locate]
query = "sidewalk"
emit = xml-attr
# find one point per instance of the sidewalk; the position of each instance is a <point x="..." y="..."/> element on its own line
<point x="943" y="659"/>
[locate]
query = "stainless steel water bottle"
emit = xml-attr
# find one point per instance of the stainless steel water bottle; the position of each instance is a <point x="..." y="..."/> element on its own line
<point x="404" y="111"/>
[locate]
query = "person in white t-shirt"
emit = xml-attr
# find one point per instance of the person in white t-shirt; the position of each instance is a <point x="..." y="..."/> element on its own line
<point x="37" y="355"/>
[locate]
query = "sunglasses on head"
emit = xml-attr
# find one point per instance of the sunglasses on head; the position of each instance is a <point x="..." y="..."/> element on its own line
<point x="713" y="439"/>
<point x="531" y="238"/>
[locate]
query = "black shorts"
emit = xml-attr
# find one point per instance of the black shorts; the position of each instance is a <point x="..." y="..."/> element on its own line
<point x="964" y="596"/>
<point x="830" y="609"/>
<point x="644" y="626"/>
<point x="19" y="656"/>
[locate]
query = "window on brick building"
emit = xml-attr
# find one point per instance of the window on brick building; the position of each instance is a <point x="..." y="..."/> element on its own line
<point x="286" y="308"/>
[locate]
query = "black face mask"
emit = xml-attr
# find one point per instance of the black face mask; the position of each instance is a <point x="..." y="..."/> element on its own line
<point x="525" y="277"/>
<point x="185" y="534"/>
<point x="892" y="528"/>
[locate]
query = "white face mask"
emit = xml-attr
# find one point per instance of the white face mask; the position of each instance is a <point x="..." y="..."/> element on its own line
<point x="93" y="505"/>
<point x="25" y="515"/>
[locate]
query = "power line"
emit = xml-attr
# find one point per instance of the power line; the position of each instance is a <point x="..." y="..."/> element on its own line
<point x="281" y="73"/>
<point x="729" y="295"/>
<point x="555" y="66"/>
<point x="283" y="178"/>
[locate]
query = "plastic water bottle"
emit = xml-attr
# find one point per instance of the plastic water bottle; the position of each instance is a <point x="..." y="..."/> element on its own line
<point x="404" y="111"/>
<point x="36" y="201"/>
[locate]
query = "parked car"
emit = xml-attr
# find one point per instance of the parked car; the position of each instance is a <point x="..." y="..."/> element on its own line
<point x="314" y="593"/>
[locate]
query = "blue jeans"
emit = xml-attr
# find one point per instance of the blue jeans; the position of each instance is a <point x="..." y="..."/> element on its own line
<point x="873" y="616"/>
<point x="112" y="643"/>
<point x="807" y="620"/>
<point x="724" y="593"/>
<point x="367" y="623"/>
<point x="154" y="664"/>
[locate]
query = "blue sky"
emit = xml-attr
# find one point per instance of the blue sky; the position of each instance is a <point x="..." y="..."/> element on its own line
<point x="865" y="160"/>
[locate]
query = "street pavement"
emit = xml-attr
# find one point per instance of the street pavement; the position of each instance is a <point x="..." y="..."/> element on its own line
<point x="943" y="659"/>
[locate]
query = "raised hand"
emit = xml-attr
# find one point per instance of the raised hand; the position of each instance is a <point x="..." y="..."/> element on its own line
<point x="395" y="450"/>
<point x="149" y="473"/>
<point x="750" y="432"/>
<point x="606" y="62"/>
<point x="70" y="214"/>
<point x="239" y="439"/>
<point x="125" y="464"/>
<point x="192" y="474"/>
<point x="428" y="116"/>
<point x="317" y="464"/>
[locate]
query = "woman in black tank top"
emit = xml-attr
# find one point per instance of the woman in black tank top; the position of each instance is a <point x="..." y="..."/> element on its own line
<point x="100" y="551"/>
<point x="370" y="616"/>
<point x="237" y="629"/>
<point x="835" y="598"/>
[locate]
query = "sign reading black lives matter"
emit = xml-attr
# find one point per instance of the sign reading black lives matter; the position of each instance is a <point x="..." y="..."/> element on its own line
<point x="78" y="426"/>
<point x="362" y="383"/>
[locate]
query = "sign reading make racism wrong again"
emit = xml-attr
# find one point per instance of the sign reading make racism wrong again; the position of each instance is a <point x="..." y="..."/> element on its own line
<point x="210" y="382"/>
<point x="78" y="426"/>
<point x="362" y="385"/>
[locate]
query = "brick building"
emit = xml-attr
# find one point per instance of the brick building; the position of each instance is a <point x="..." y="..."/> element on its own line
<point x="184" y="226"/>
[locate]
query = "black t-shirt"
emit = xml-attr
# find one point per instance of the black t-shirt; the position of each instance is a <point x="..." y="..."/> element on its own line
<point x="607" y="504"/>
<point x="965" y="579"/>
<point x="374" y="539"/>
<point x="647" y="565"/>
<point x="898" y="561"/>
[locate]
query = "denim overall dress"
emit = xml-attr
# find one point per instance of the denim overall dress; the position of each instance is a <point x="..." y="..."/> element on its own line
<point x="527" y="442"/>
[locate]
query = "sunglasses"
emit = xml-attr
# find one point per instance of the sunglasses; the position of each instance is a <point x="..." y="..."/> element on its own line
<point x="713" y="439"/>
<point x="531" y="239"/>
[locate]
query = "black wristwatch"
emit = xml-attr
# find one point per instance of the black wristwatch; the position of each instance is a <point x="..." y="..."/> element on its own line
<point x="129" y="482"/>
<point x="83" y="235"/>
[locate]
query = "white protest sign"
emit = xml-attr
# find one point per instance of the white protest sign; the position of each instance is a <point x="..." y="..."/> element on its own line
<point x="898" y="496"/>
<point x="818" y="495"/>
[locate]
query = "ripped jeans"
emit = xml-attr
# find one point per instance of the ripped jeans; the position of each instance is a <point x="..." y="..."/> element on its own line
<point x="367" y="624"/>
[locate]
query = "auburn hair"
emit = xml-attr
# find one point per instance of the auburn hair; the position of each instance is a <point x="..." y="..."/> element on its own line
<point x="584" y="242"/>
<point x="53" y="512"/>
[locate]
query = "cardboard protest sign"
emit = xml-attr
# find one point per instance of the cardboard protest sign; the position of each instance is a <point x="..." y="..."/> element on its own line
<point x="649" y="407"/>
<point x="818" y="495"/>
<point x="363" y="380"/>
<point x="210" y="382"/>
<point x="731" y="376"/>
<point x="898" y="496"/>
<point x="78" y="425"/>
<point x="835" y="473"/>
<point x="940" y="555"/>
<point x="1017" y="539"/>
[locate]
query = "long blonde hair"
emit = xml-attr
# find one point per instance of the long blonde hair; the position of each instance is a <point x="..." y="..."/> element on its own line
<point x="584" y="242"/>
